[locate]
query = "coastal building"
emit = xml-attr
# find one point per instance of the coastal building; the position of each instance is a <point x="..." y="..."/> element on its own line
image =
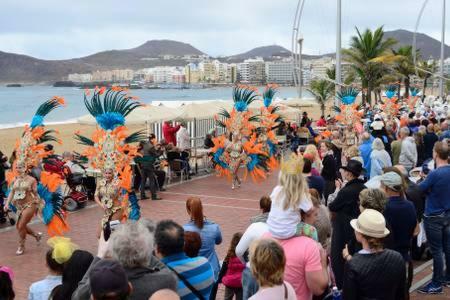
<point x="446" y="66"/>
<point x="319" y="67"/>
<point x="208" y="71"/>
<point x="113" y="75"/>
<point x="75" y="77"/>
<point x="192" y="73"/>
<point x="252" y="71"/>
<point x="280" y="71"/>
<point x="232" y="74"/>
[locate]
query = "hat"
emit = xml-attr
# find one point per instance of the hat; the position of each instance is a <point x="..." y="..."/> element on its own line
<point x="353" y="166"/>
<point x="377" y="125"/>
<point x="371" y="223"/>
<point x="392" y="180"/>
<point x="108" y="276"/>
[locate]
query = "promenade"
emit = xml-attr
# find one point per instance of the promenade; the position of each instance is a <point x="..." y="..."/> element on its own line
<point x="231" y="209"/>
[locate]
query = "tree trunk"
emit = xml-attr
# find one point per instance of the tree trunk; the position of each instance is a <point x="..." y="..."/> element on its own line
<point x="322" y="109"/>
<point x="407" y="84"/>
<point x="369" y="93"/>
<point x="399" y="88"/>
<point x="425" y="80"/>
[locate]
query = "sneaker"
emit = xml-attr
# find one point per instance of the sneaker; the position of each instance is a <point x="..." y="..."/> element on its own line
<point x="431" y="288"/>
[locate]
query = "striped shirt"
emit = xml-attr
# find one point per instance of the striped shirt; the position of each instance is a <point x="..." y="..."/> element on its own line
<point x="197" y="271"/>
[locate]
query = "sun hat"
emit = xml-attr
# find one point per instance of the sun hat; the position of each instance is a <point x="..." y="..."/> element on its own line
<point x="392" y="180"/>
<point x="371" y="223"/>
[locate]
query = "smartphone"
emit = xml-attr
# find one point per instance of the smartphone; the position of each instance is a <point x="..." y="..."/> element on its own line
<point x="114" y="225"/>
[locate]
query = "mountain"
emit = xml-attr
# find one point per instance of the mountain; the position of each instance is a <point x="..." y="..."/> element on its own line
<point x="428" y="46"/>
<point x="265" y="52"/>
<point x="27" y="69"/>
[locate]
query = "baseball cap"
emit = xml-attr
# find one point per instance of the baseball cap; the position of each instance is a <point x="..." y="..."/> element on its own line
<point x="392" y="180"/>
<point x="108" y="277"/>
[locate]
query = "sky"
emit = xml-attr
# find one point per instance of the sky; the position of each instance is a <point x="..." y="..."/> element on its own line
<point x="62" y="29"/>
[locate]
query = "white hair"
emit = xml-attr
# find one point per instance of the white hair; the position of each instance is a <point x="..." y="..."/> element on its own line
<point x="377" y="144"/>
<point x="132" y="245"/>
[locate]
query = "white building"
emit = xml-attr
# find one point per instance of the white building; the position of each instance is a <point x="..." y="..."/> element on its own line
<point x="252" y="71"/>
<point x="75" y="77"/>
<point x="319" y="67"/>
<point x="280" y="72"/>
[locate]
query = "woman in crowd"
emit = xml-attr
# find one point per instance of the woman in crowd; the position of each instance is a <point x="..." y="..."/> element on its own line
<point x="24" y="197"/>
<point x="268" y="263"/>
<point x="312" y="154"/>
<point x="108" y="197"/>
<point x="232" y="280"/>
<point x="329" y="170"/>
<point x="379" y="158"/>
<point x="343" y="209"/>
<point x="353" y="152"/>
<point x="420" y="145"/>
<point x="73" y="272"/>
<point x="209" y="232"/>
<point x="6" y="283"/>
<point x="374" y="272"/>
<point x="192" y="243"/>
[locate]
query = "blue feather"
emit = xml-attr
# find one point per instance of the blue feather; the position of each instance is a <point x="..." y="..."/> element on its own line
<point x="414" y="91"/>
<point x="267" y="101"/>
<point x="272" y="148"/>
<point x="135" y="212"/>
<point x="47" y="196"/>
<point x="240" y="106"/>
<point x="110" y="120"/>
<point x="37" y="121"/>
<point x="349" y="99"/>
<point x="217" y="159"/>
<point x="390" y="94"/>
<point x="254" y="161"/>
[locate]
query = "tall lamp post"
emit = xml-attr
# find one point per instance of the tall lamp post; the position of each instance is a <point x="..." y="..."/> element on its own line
<point x="338" y="78"/>
<point x="441" y="77"/>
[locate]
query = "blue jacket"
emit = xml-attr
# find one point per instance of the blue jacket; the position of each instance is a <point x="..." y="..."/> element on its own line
<point x="366" y="149"/>
<point x="437" y="190"/>
<point x="211" y="236"/>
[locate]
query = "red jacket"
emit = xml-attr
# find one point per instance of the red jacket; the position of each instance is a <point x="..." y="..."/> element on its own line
<point x="233" y="277"/>
<point x="170" y="133"/>
<point x="321" y="123"/>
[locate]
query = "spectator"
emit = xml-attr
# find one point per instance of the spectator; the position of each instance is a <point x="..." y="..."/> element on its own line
<point x="314" y="182"/>
<point x="429" y="140"/>
<point x="373" y="273"/>
<point x="408" y="152"/>
<point x="132" y="244"/>
<point x="313" y="155"/>
<point x="268" y="266"/>
<point x="209" y="231"/>
<point x="196" y="277"/>
<point x="108" y="280"/>
<point x="208" y="143"/>
<point x="372" y="199"/>
<point x="436" y="186"/>
<point x="6" y="283"/>
<point x="329" y="170"/>
<point x="343" y="209"/>
<point x="352" y="152"/>
<point x="192" y="243"/>
<point x="42" y="289"/>
<point x="169" y="132"/>
<point x="445" y="131"/>
<point x="379" y="158"/>
<point x="320" y="219"/>
<point x="321" y="122"/>
<point x="165" y="295"/>
<point x="264" y="206"/>
<point x="232" y="280"/>
<point x="146" y="166"/>
<point x="420" y="146"/>
<point x="73" y="273"/>
<point x="183" y="138"/>
<point x="366" y="149"/>
<point x="69" y="161"/>
<point x="396" y="148"/>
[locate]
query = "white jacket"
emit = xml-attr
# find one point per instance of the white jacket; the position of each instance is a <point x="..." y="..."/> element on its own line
<point x="183" y="139"/>
<point x="408" y="153"/>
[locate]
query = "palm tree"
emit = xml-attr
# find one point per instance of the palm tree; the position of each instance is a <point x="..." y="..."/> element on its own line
<point x="404" y="66"/>
<point x="366" y="54"/>
<point x="323" y="90"/>
<point x="425" y="71"/>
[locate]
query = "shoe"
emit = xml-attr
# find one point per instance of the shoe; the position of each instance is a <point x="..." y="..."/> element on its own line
<point x="20" y="250"/>
<point x="143" y="197"/>
<point x="162" y="189"/>
<point x="431" y="288"/>
<point x="156" y="198"/>
<point x="38" y="237"/>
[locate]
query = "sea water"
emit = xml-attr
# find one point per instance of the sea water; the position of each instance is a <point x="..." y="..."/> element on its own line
<point x="18" y="105"/>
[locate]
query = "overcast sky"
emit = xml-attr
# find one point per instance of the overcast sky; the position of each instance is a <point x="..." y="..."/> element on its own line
<point x="60" y="29"/>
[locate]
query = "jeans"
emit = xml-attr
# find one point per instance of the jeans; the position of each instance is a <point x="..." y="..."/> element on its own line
<point x="437" y="229"/>
<point x="231" y="292"/>
<point x="249" y="284"/>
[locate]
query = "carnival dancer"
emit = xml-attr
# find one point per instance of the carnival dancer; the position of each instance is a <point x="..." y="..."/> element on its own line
<point x="26" y="196"/>
<point x="241" y="148"/>
<point x="390" y="106"/>
<point x="350" y="115"/>
<point x="269" y="121"/>
<point x="111" y="150"/>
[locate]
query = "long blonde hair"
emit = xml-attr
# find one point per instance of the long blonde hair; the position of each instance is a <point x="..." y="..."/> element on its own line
<point x="295" y="189"/>
<point x="313" y="153"/>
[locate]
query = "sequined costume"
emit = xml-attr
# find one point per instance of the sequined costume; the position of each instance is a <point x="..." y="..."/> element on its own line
<point x="111" y="147"/>
<point x="45" y="196"/>
<point x="239" y="146"/>
<point x="390" y="106"/>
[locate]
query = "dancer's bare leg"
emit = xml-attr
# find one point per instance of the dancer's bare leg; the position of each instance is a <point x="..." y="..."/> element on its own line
<point x="23" y="229"/>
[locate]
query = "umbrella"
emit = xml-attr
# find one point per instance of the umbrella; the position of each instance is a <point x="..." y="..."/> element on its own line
<point x="201" y="110"/>
<point x="297" y="102"/>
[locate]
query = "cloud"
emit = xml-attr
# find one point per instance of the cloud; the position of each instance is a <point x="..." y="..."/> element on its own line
<point x="53" y="29"/>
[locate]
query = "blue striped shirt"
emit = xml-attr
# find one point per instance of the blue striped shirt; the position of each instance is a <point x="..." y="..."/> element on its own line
<point x="196" y="270"/>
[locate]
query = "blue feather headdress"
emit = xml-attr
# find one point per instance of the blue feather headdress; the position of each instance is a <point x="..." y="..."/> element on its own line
<point x="347" y="95"/>
<point x="391" y="90"/>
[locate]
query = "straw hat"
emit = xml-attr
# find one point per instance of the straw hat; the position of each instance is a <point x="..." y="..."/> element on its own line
<point x="371" y="223"/>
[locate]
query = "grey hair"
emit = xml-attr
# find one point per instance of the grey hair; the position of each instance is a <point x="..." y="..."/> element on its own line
<point x="132" y="245"/>
<point x="405" y="131"/>
<point x="149" y="224"/>
<point x="377" y="144"/>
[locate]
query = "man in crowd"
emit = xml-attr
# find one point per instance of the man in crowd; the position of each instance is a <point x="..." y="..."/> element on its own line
<point x="429" y="139"/>
<point x="366" y="149"/>
<point x="169" y="132"/>
<point x="183" y="138"/>
<point x="146" y="166"/>
<point x="436" y="186"/>
<point x="108" y="280"/>
<point x="408" y="152"/>
<point x="195" y="275"/>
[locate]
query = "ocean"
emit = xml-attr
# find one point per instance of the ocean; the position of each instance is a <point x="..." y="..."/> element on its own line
<point x="18" y="105"/>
